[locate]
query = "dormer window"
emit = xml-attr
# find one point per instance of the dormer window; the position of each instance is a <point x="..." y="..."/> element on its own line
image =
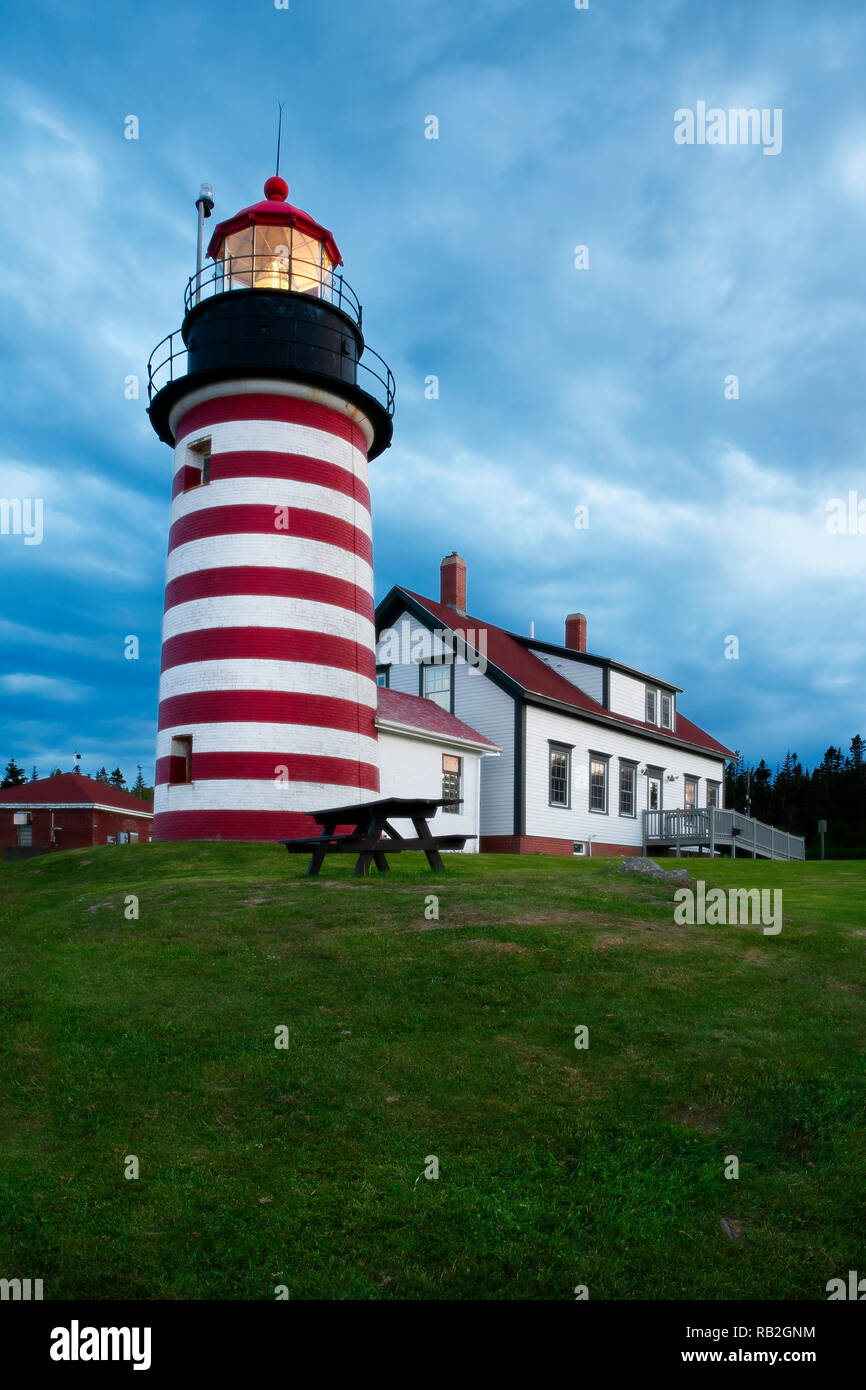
<point x="667" y="712"/>
<point x="651" y="707"/>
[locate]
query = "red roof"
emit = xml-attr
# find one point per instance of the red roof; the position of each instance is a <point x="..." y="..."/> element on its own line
<point x="417" y="713"/>
<point x="537" y="678"/>
<point x="72" y="789"/>
<point x="274" y="212"/>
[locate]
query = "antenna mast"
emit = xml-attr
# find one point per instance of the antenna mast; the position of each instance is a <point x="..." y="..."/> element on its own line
<point x="279" y="133"/>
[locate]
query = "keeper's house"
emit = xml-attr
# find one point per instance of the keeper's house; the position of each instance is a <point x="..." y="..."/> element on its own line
<point x="69" y="811"/>
<point x="587" y="744"/>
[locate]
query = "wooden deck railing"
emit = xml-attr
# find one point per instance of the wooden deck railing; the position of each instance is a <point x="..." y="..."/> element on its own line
<point x="713" y="826"/>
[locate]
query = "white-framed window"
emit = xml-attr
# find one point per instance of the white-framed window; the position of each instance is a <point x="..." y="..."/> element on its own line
<point x="559" y="775"/>
<point x="690" y="793"/>
<point x="651" y="707"/>
<point x="667" y="706"/>
<point x="436" y="683"/>
<point x="712" y="793"/>
<point x="598" y="765"/>
<point x="579" y="847"/>
<point x="452" y="773"/>
<point x="627" y="784"/>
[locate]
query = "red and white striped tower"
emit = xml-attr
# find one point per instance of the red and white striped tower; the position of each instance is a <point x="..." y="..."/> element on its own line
<point x="268" y="686"/>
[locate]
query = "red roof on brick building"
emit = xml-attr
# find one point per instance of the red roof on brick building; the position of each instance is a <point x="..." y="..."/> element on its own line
<point x="73" y="789"/>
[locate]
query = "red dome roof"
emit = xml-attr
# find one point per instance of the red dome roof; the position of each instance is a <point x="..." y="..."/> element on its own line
<point x="274" y="212"/>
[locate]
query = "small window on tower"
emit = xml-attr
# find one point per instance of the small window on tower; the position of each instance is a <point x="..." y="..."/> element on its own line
<point x="197" y="469"/>
<point x="180" y="763"/>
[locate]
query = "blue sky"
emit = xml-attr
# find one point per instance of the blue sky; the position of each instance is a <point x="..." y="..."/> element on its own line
<point x="559" y="387"/>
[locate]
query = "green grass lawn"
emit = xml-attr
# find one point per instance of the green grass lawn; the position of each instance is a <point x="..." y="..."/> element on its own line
<point x="410" y="1037"/>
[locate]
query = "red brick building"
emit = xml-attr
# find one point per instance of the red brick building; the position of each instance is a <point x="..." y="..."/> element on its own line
<point x="70" y="811"/>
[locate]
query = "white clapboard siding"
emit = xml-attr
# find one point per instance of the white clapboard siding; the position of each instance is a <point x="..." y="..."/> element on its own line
<point x="490" y="709"/>
<point x="482" y="705"/>
<point x="627" y="695"/>
<point x="577" y="822"/>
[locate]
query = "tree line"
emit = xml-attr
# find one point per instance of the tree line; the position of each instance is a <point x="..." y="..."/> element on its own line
<point x="14" y="776"/>
<point x="794" y="798"/>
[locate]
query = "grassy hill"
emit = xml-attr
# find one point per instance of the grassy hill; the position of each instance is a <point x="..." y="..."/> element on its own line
<point x="410" y="1037"/>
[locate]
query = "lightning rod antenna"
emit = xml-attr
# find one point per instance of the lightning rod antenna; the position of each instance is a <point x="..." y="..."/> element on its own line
<point x="279" y="134"/>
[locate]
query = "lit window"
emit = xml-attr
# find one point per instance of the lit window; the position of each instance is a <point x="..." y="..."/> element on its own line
<point x="238" y="259"/>
<point x="306" y="263"/>
<point x="627" y="777"/>
<point x="690" y="799"/>
<point x="451" y="768"/>
<point x="276" y="258"/>
<point x="436" y="685"/>
<point x="560" y="776"/>
<point x="650" y="707"/>
<point x="272" y="258"/>
<point x="598" y="784"/>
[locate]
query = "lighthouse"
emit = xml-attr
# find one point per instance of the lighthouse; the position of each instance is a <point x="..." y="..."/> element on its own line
<point x="273" y="406"/>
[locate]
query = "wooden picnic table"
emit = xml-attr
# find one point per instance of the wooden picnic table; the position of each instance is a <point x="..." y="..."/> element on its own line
<point x="372" y="836"/>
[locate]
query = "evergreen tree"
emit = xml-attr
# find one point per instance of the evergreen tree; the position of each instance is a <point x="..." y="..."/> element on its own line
<point x="117" y="779"/>
<point x="102" y="775"/>
<point x="13" y="776"/>
<point x="56" y="772"/>
<point x="34" y="775"/>
<point x="141" y="789"/>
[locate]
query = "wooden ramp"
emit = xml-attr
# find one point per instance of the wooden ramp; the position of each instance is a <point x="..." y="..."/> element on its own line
<point x="713" y="829"/>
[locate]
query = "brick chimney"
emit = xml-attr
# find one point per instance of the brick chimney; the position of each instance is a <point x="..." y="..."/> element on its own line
<point x="452" y="577"/>
<point x="575" y="632"/>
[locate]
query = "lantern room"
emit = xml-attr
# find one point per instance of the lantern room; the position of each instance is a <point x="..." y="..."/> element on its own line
<point x="272" y="246"/>
<point x="271" y="303"/>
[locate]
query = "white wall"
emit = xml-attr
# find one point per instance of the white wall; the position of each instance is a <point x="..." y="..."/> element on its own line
<point x="482" y="705"/>
<point x="628" y="696"/>
<point x="578" y="822"/>
<point x="411" y="766"/>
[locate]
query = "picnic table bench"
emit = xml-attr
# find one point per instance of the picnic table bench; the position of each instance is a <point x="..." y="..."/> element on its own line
<point x="372" y="836"/>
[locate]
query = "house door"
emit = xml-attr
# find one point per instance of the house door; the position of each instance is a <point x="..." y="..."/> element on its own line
<point x="654" y="793"/>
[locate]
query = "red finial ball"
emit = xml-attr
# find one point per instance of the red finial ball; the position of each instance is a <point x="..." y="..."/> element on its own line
<point x="276" y="189"/>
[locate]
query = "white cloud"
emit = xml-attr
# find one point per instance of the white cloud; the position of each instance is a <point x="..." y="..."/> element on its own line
<point x="93" y="527"/>
<point x="43" y="687"/>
